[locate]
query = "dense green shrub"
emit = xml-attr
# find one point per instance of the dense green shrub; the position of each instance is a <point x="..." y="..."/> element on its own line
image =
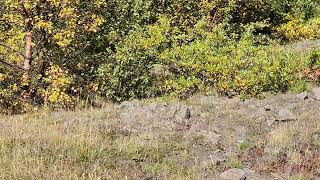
<point x="311" y="72"/>
<point x="197" y="60"/>
<point x="143" y="48"/>
<point x="232" y="68"/>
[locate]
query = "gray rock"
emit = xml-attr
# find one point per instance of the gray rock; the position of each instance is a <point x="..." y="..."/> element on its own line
<point x="135" y="102"/>
<point x="209" y="101"/>
<point x="241" y="134"/>
<point x="125" y="104"/>
<point x="316" y="93"/>
<point x="183" y="112"/>
<point x="234" y="100"/>
<point x="171" y="112"/>
<point x="195" y="111"/>
<point x="210" y="136"/>
<point x="286" y="115"/>
<point x="151" y="107"/>
<point x="251" y="175"/>
<point x="269" y="108"/>
<point x="303" y="96"/>
<point x="217" y="158"/>
<point x="126" y="116"/>
<point x="270" y="121"/>
<point x="129" y="104"/>
<point x="233" y="174"/>
<point x="204" y="115"/>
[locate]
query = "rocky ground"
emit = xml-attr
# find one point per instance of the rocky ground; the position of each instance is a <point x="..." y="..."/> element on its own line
<point x="205" y="137"/>
<point x="274" y="138"/>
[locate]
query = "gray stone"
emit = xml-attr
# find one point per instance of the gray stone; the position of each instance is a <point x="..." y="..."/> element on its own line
<point x="233" y="174"/>
<point x="286" y="115"/>
<point x="251" y="175"/>
<point x="135" y="102"/>
<point x="171" y="112"/>
<point x="241" y="134"/>
<point x="209" y="101"/>
<point x="126" y="116"/>
<point x="195" y="111"/>
<point x="234" y="100"/>
<point x="210" y="136"/>
<point x="316" y="93"/>
<point x="125" y="104"/>
<point x="217" y="158"/>
<point x="151" y="107"/>
<point x="204" y="115"/>
<point x="183" y="112"/>
<point x="303" y="96"/>
<point x="270" y="121"/>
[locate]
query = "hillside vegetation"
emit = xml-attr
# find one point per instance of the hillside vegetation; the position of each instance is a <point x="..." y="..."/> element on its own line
<point x="69" y="53"/>
<point x="277" y="138"/>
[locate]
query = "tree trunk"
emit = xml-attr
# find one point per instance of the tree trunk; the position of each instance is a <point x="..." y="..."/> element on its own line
<point x="27" y="59"/>
<point x="28" y="53"/>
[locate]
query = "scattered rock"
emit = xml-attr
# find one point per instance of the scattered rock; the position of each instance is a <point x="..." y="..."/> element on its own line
<point x="195" y="111"/>
<point x="125" y="104"/>
<point x="252" y="175"/>
<point x="217" y="158"/>
<point x="171" y="112"/>
<point x="316" y="93"/>
<point x="183" y="113"/>
<point x="126" y="116"/>
<point x="211" y="136"/>
<point x="204" y="115"/>
<point x="303" y="96"/>
<point x="209" y="101"/>
<point x="241" y="134"/>
<point x="151" y="107"/>
<point x="234" y="100"/>
<point x="286" y="115"/>
<point x="233" y="174"/>
<point x="269" y="108"/>
<point x="270" y="121"/>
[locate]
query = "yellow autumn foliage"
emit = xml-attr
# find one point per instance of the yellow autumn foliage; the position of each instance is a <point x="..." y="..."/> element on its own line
<point x="297" y="29"/>
<point x="58" y="82"/>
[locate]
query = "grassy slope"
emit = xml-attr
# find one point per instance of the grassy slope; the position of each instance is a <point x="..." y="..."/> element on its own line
<point x="89" y="144"/>
<point x="95" y="144"/>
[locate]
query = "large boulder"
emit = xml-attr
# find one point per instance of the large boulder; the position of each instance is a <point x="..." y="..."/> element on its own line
<point x="286" y="115"/>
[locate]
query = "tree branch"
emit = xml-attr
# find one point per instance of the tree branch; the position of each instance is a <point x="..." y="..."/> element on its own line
<point x="10" y="65"/>
<point x="14" y="50"/>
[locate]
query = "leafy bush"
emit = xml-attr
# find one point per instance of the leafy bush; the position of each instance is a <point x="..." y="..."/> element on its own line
<point x="56" y="91"/>
<point x="311" y="72"/>
<point x="298" y="29"/>
<point x="232" y="67"/>
<point x="128" y="74"/>
<point x="142" y="48"/>
<point x="10" y="92"/>
<point x="197" y="60"/>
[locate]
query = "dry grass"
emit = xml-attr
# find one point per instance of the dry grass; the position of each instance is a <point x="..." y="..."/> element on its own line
<point x="289" y="149"/>
<point x="89" y="144"/>
<point x="96" y="144"/>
